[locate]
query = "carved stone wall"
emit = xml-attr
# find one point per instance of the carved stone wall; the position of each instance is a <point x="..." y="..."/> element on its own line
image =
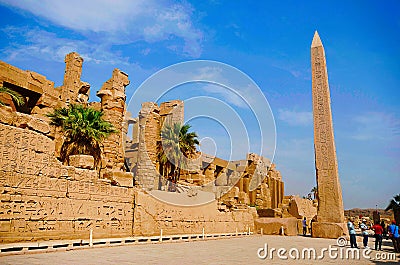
<point x="152" y="215"/>
<point x="43" y="199"/>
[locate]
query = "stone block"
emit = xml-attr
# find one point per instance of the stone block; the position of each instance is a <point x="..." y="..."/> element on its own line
<point x="300" y="208"/>
<point x="273" y="226"/>
<point x="22" y="120"/>
<point x="329" y="230"/>
<point x="221" y="180"/>
<point x="81" y="161"/>
<point x="39" y="125"/>
<point x="269" y="213"/>
<point x="124" y="179"/>
<point x="7" y="116"/>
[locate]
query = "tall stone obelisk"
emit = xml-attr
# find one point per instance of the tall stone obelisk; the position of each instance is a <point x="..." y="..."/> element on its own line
<point x="330" y="215"/>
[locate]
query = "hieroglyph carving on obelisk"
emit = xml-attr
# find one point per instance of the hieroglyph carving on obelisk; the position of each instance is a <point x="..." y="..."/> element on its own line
<point x="330" y="203"/>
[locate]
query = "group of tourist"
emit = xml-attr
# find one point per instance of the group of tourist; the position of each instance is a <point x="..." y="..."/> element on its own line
<point x="392" y="232"/>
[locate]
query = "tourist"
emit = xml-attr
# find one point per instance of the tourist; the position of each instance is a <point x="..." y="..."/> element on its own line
<point x="393" y="231"/>
<point x="304" y="226"/>
<point x="378" y="235"/>
<point x="352" y="233"/>
<point x="364" y="231"/>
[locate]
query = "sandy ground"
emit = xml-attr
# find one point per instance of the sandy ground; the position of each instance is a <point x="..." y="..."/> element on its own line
<point x="241" y="250"/>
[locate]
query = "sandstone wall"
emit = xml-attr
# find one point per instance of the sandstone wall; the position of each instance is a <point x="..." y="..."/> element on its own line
<point x="43" y="199"/>
<point x="151" y="215"/>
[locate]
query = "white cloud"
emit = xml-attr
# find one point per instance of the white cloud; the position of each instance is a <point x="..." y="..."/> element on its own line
<point x="46" y="45"/>
<point x="295" y="118"/>
<point x="376" y="126"/>
<point x="123" y="21"/>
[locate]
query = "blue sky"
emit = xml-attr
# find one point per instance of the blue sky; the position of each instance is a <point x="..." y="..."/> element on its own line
<point x="267" y="40"/>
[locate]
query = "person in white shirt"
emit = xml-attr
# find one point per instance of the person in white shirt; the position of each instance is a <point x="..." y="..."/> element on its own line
<point x="364" y="231"/>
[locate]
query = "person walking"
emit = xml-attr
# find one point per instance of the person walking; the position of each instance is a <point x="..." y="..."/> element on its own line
<point x="352" y="233"/>
<point x="364" y="232"/>
<point x="393" y="231"/>
<point x="304" y="222"/>
<point x="378" y="235"/>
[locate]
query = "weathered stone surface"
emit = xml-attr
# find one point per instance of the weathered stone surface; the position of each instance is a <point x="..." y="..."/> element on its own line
<point x="329" y="230"/>
<point x="330" y="202"/>
<point x="152" y="215"/>
<point x="273" y="226"/>
<point x="7" y="116"/>
<point x="81" y="161"/>
<point x="124" y="179"/>
<point x="43" y="199"/>
<point x="72" y="78"/>
<point x="269" y="213"/>
<point x="113" y="105"/>
<point x="301" y="208"/>
<point x="39" y="125"/>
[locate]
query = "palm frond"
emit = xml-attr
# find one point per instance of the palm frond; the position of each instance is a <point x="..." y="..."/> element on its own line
<point x="17" y="97"/>
<point x="84" y="130"/>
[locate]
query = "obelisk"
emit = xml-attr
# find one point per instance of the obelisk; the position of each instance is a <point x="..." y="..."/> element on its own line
<point x="330" y="214"/>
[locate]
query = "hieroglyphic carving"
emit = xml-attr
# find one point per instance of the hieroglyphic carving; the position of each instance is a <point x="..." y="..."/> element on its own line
<point x="330" y="207"/>
<point x="41" y="197"/>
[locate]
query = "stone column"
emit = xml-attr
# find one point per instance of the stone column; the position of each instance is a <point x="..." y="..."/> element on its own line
<point x="172" y="112"/>
<point x="272" y="191"/>
<point x="240" y="184"/>
<point x="253" y="197"/>
<point x="276" y="193"/>
<point x="135" y="130"/>
<point x="209" y="173"/>
<point x="112" y="95"/>
<point x="330" y="215"/>
<point x="73" y="89"/>
<point x="149" y="134"/>
<point x="246" y="185"/>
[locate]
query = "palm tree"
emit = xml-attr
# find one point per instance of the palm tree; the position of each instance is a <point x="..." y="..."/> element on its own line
<point x="176" y="144"/>
<point x="84" y="129"/>
<point x="15" y="96"/>
<point x="314" y="191"/>
<point x="395" y="206"/>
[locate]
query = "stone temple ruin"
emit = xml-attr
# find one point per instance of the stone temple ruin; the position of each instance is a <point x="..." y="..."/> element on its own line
<point x="212" y="174"/>
<point x="42" y="198"/>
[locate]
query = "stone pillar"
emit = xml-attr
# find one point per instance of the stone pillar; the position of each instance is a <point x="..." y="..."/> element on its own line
<point x="240" y="185"/>
<point x="330" y="215"/>
<point x="266" y="196"/>
<point x="172" y="112"/>
<point x="253" y="197"/>
<point x="272" y="190"/>
<point x="276" y="193"/>
<point x="209" y="173"/>
<point x="135" y="130"/>
<point x="149" y="134"/>
<point x="73" y="89"/>
<point x="112" y="95"/>
<point x="246" y="185"/>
